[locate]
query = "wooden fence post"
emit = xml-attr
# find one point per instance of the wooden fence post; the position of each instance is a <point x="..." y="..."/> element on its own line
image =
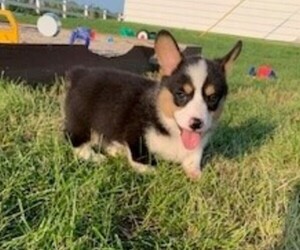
<point x="64" y="9"/>
<point x="3" y="5"/>
<point x="86" y="11"/>
<point x="37" y="6"/>
<point x="104" y="14"/>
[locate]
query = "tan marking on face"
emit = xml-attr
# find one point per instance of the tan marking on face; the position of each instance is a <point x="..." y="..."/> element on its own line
<point x="188" y="88"/>
<point x="209" y="90"/>
<point x="166" y="103"/>
<point x="217" y="113"/>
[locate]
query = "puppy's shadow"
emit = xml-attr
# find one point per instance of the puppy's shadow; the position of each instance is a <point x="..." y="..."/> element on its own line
<point x="236" y="141"/>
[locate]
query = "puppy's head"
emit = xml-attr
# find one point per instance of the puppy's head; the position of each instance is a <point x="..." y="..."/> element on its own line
<point x="193" y="89"/>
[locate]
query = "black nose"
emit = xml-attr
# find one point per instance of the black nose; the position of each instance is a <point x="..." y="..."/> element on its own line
<point x="196" y="124"/>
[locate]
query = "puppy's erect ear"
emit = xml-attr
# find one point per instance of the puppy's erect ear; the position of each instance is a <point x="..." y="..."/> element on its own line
<point x="167" y="52"/>
<point x="228" y="60"/>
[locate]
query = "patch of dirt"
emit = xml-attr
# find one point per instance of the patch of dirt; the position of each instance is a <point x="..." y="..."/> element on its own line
<point x="119" y="45"/>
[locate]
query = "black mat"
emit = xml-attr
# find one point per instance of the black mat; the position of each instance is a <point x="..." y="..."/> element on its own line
<point x="40" y="63"/>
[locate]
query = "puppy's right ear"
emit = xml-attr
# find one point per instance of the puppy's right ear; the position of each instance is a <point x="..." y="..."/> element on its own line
<point x="167" y="52"/>
<point x="227" y="61"/>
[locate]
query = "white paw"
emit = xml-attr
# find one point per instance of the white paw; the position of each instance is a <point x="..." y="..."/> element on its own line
<point x="193" y="174"/>
<point x="85" y="152"/>
<point x="141" y="168"/>
<point x="114" y="149"/>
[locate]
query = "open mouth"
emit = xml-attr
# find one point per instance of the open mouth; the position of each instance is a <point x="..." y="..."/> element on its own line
<point x="190" y="139"/>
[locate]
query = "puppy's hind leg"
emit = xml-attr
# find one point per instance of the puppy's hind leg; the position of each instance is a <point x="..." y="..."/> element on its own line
<point x="86" y="152"/>
<point x="138" y="167"/>
<point x="115" y="148"/>
<point x="82" y="143"/>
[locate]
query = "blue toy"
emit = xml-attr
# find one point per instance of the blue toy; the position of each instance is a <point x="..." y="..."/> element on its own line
<point x="81" y="33"/>
<point x="110" y="39"/>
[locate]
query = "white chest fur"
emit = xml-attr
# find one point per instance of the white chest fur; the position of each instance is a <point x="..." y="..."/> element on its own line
<point x="171" y="148"/>
<point x="168" y="147"/>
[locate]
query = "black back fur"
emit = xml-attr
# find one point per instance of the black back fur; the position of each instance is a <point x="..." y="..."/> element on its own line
<point x="115" y="104"/>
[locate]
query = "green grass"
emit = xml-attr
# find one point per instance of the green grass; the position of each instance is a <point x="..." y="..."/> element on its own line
<point x="247" y="198"/>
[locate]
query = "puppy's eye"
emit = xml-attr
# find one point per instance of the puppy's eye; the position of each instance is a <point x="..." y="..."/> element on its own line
<point x="213" y="99"/>
<point x="181" y="98"/>
<point x="181" y="95"/>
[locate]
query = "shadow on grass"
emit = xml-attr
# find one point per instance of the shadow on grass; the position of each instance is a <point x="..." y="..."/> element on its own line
<point x="236" y="141"/>
<point x="291" y="231"/>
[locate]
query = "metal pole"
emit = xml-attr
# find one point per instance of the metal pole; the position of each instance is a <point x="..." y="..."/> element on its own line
<point x="64" y="9"/>
<point x="86" y="11"/>
<point x="37" y="6"/>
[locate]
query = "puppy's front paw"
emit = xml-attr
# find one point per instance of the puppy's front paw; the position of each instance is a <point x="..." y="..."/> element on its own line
<point x="193" y="174"/>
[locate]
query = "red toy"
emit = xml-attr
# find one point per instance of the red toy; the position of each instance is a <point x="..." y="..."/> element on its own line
<point x="263" y="72"/>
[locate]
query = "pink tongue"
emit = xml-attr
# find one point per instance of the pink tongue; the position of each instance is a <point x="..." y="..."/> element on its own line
<point x="190" y="139"/>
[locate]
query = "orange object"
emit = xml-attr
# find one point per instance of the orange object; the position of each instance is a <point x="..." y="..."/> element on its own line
<point x="9" y="29"/>
<point x="93" y="35"/>
<point x="264" y="71"/>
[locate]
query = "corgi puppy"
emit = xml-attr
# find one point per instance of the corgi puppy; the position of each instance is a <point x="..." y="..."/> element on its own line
<point x="126" y="113"/>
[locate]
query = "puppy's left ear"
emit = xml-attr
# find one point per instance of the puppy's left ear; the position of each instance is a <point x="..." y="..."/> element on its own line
<point x="167" y="52"/>
<point x="227" y="61"/>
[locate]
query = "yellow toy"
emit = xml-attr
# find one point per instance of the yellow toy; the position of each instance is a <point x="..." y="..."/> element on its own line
<point x="9" y="33"/>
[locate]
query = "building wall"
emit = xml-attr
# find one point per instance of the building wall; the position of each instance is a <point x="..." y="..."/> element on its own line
<point x="267" y="19"/>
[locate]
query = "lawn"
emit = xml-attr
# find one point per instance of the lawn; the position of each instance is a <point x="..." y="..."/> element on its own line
<point x="247" y="198"/>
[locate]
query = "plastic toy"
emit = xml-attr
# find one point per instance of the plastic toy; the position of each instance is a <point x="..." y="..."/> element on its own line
<point x="152" y="35"/>
<point x="82" y="33"/>
<point x="143" y="35"/>
<point x="127" y="32"/>
<point x="146" y="35"/>
<point x="110" y="39"/>
<point x="9" y="34"/>
<point x="262" y="72"/>
<point x="49" y="25"/>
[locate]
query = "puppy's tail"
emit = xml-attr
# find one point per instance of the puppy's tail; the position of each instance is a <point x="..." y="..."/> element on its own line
<point x="74" y="75"/>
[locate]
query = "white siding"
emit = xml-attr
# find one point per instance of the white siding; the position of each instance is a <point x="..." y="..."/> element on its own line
<point x="268" y="19"/>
